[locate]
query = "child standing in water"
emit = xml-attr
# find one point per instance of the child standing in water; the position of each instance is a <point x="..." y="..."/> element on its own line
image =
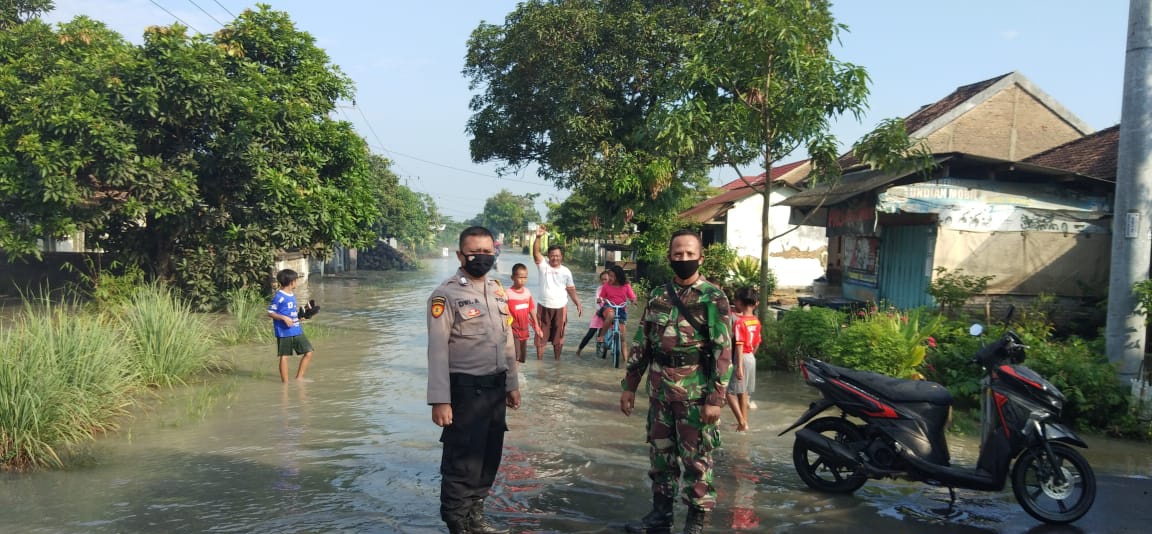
<point x="746" y="331"/>
<point x="523" y="310"/>
<point x="285" y="314"/>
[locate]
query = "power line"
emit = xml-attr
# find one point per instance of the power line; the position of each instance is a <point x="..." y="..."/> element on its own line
<point x="178" y="19"/>
<point x="233" y="15"/>
<point x="202" y="10"/>
<point x="380" y="144"/>
<point x="340" y="110"/>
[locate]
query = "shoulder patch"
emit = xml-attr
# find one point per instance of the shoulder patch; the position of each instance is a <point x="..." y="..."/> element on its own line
<point x="436" y="307"/>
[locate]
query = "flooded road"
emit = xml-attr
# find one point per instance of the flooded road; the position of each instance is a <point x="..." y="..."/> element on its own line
<point x="354" y="450"/>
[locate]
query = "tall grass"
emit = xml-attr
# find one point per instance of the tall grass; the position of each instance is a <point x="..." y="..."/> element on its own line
<point x="248" y="309"/>
<point x="169" y="342"/>
<point x="63" y="378"/>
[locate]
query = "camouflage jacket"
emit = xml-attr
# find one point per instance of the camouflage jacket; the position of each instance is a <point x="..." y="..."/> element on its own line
<point x="664" y="330"/>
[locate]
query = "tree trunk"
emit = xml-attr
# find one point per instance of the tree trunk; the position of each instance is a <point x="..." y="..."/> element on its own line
<point x="765" y="242"/>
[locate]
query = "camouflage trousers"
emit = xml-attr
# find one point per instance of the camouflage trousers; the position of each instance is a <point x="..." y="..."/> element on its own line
<point x="679" y="441"/>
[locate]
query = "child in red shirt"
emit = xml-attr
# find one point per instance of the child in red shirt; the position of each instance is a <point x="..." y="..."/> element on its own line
<point x="746" y="329"/>
<point x="523" y="310"/>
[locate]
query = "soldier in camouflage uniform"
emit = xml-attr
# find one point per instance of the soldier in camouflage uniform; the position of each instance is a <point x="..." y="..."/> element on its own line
<point x="687" y="383"/>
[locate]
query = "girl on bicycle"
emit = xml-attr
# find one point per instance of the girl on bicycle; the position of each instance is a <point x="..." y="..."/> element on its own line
<point x="618" y="292"/>
<point x="597" y="321"/>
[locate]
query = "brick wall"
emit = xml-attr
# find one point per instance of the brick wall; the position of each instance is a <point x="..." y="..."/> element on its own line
<point x="1011" y="125"/>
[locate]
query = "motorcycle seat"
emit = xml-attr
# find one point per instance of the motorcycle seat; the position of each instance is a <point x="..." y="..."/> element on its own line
<point x="898" y="389"/>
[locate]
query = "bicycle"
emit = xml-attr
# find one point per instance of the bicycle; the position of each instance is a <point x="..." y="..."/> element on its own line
<point x="612" y="343"/>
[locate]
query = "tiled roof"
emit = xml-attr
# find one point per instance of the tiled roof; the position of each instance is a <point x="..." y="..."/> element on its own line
<point x="734" y="192"/>
<point x="935" y="110"/>
<point x="1092" y="155"/>
<point x="926" y="114"/>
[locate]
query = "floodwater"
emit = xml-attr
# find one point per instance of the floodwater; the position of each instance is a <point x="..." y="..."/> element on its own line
<point x="354" y="449"/>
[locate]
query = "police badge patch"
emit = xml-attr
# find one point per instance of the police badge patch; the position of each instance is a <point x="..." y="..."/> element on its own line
<point x="437" y="307"/>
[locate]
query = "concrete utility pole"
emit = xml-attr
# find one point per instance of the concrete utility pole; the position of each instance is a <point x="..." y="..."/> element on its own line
<point x="1131" y="233"/>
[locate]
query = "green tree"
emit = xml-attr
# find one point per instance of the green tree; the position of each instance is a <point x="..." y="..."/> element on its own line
<point x="509" y="213"/>
<point x="64" y="149"/>
<point x="13" y="12"/>
<point x="573" y="86"/>
<point x="410" y="217"/>
<point x="763" y="82"/>
<point x="196" y="157"/>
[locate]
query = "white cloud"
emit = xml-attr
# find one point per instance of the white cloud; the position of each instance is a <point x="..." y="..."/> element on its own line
<point x="1009" y="35"/>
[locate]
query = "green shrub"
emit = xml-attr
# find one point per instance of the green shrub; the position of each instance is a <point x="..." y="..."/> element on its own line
<point x="248" y="312"/>
<point x="169" y="342"/>
<point x="803" y="333"/>
<point x="890" y="342"/>
<point x="105" y="287"/>
<point x="63" y="378"/>
<point x="1143" y="292"/>
<point x="746" y="273"/>
<point x="1096" y="399"/>
<point x="717" y="264"/>
<point x="948" y="363"/>
<point x="952" y="289"/>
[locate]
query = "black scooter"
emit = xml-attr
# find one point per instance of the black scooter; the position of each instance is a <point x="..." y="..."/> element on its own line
<point x="898" y="432"/>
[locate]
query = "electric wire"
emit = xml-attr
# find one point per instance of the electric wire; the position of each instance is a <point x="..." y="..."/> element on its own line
<point x="204" y="11"/>
<point x="226" y="10"/>
<point x="178" y="19"/>
<point x="380" y="144"/>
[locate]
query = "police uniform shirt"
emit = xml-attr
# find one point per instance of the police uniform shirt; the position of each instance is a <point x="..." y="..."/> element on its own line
<point x="469" y="332"/>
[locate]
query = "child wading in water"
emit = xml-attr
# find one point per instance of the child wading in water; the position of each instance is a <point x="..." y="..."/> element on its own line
<point x="523" y="310"/>
<point x="286" y="317"/>
<point x="747" y="338"/>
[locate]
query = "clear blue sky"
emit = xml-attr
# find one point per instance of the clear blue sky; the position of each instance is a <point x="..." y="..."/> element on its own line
<point x="406" y="59"/>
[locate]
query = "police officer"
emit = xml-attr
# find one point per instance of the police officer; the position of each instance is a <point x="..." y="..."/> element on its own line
<point x="471" y="381"/>
<point x="686" y="349"/>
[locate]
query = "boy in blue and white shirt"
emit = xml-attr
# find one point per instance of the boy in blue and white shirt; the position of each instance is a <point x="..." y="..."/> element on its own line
<point x="285" y="316"/>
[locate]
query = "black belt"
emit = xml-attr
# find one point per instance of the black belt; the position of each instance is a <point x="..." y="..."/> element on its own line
<point x="471" y="381"/>
<point x="677" y="359"/>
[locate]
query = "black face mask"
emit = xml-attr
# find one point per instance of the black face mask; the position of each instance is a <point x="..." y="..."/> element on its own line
<point x="684" y="269"/>
<point x="478" y="265"/>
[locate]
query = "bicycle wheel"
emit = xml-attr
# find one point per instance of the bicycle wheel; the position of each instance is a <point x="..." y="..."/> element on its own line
<point x="616" y="349"/>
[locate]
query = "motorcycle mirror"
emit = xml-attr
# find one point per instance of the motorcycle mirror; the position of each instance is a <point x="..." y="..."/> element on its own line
<point x="976" y="329"/>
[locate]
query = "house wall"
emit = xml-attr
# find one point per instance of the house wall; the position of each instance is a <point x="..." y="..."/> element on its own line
<point x="796" y="258"/>
<point x="1030" y="263"/>
<point x="54" y="271"/>
<point x="1010" y="125"/>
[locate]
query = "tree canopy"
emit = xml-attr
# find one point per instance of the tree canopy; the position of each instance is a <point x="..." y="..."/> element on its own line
<point x="574" y="86"/>
<point x="508" y="212"/>
<point x="197" y="157"/>
<point x="13" y="12"/>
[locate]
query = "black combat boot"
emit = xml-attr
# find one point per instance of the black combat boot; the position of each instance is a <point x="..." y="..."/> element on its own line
<point x="695" y="522"/>
<point x="659" y="520"/>
<point x="458" y="527"/>
<point x="478" y="523"/>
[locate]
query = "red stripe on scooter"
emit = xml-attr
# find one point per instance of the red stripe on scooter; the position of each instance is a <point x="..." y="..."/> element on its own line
<point x="1001" y="400"/>
<point x="884" y="411"/>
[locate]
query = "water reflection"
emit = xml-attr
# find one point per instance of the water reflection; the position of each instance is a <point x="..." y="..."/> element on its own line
<point x="355" y="451"/>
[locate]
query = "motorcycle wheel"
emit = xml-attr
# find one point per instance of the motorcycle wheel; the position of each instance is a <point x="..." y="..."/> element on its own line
<point x="820" y="475"/>
<point x="1044" y="497"/>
